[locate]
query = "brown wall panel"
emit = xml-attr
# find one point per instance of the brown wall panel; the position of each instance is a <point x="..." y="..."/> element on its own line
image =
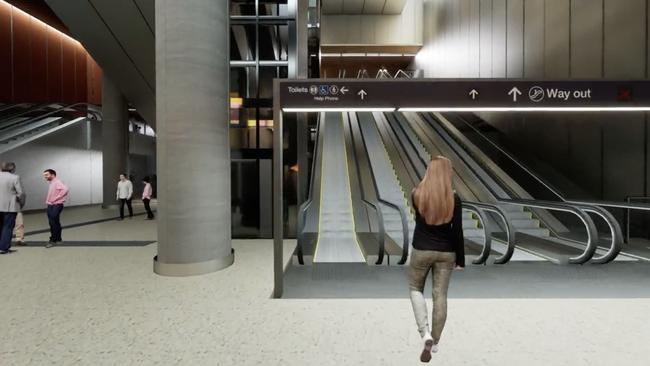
<point x="21" y="57"/>
<point x="68" y="75"/>
<point x="94" y="81"/>
<point x="81" y="75"/>
<point x="38" y="62"/>
<point x="5" y="53"/>
<point x="54" y="65"/>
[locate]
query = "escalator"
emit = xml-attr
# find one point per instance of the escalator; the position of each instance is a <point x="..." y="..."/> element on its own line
<point x="27" y="124"/>
<point x="358" y="209"/>
<point x="544" y="228"/>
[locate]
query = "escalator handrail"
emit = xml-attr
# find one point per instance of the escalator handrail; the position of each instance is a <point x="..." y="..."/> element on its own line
<point x="28" y="110"/>
<point x="615" y="229"/>
<point x="592" y="232"/>
<point x="381" y="235"/>
<point x="510" y="231"/>
<point x="405" y="229"/>
<point x="302" y="212"/>
<point x="487" y="244"/>
<point x="30" y="120"/>
<point x="402" y="214"/>
<point x="510" y="237"/>
<point x="514" y="160"/>
<point x="566" y="205"/>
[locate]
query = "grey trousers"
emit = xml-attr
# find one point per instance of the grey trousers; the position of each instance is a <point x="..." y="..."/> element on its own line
<point x="441" y="264"/>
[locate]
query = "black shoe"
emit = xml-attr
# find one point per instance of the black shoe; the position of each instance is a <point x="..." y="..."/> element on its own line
<point x="120" y="219"/>
<point x="8" y="251"/>
<point x="21" y="243"/>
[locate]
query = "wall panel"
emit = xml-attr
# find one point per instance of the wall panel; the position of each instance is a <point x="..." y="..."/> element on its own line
<point x="68" y="71"/>
<point x="586" y="39"/>
<point x="6" y="89"/>
<point x="54" y="65"/>
<point x="38" y="62"/>
<point x="21" y="56"/>
<point x="556" y="38"/>
<point x="534" y="39"/>
<point x="515" y="39"/>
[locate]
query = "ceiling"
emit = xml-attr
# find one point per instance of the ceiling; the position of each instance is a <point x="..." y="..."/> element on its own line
<point x="363" y="7"/>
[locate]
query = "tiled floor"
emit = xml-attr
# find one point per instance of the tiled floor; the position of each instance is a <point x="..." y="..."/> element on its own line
<point x="104" y="306"/>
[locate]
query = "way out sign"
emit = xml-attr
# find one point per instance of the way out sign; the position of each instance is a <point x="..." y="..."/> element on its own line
<point x="463" y="95"/>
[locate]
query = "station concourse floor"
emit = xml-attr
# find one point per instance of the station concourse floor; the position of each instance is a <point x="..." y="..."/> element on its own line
<point x="103" y="305"/>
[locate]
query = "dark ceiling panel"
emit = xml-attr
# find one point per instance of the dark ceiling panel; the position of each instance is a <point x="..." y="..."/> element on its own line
<point x="111" y="53"/>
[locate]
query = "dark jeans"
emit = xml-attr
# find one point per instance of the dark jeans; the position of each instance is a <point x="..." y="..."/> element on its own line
<point x="124" y="201"/>
<point x="8" y="221"/>
<point x="147" y="207"/>
<point x="54" y="217"/>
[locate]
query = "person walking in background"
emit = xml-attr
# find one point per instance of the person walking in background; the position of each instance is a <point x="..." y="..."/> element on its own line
<point x="57" y="194"/>
<point x="438" y="246"/>
<point x="12" y="198"/>
<point x="19" y="228"/>
<point x="146" y="197"/>
<point x="124" y="195"/>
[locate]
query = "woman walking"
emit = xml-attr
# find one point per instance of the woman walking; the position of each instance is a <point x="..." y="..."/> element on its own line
<point x="438" y="246"/>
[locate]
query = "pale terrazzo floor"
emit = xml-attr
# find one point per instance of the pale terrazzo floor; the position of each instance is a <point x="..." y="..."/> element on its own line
<point x="104" y="306"/>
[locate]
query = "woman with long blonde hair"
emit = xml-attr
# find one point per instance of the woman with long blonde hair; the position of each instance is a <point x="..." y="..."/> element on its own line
<point x="438" y="246"/>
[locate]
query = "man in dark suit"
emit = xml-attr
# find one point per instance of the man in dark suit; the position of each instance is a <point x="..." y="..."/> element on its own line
<point x="12" y="199"/>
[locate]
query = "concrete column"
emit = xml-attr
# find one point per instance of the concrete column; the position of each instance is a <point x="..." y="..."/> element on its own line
<point x="115" y="139"/>
<point x="193" y="153"/>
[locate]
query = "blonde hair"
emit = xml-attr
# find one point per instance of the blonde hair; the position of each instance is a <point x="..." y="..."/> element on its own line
<point x="434" y="196"/>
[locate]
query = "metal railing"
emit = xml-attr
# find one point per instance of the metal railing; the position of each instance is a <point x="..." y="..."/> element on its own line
<point x="302" y="212"/>
<point x="478" y="208"/>
<point x="400" y="210"/>
<point x="591" y="207"/>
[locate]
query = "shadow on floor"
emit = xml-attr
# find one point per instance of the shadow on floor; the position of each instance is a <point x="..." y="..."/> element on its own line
<point x="513" y="280"/>
<point x="90" y="243"/>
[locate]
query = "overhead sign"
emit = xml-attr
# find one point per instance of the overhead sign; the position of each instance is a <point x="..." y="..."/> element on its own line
<point x="463" y="94"/>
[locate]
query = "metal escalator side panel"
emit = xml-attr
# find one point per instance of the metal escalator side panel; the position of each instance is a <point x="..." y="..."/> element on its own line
<point x="337" y="241"/>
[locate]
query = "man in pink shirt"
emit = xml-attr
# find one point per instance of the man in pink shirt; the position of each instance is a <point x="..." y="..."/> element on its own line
<point x="56" y="197"/>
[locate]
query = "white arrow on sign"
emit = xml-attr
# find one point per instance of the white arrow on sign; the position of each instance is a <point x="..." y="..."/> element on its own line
<point x="344" y="90"/>
<point x="362" y="93"/>
<point x="514" y="92"/>
<point x="473" y="93"/>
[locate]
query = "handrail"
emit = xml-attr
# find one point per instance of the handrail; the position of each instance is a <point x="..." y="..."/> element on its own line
<point x="584" y="206"/>
<point x="402" y="214"/>
<point x="400" y="71"/>
<point x="516" y="161"/>
<point x="510" y="230"/>
<point x="592" y="232"/>
<point x="487" y="244"/>
<point x="615" y="229"/>
<point x="28" y="110"/>
<point x="381" y="235"/>
<point x="302" y="212"/>
<point x="45" y="115"/>
<point x="487" y="247"/>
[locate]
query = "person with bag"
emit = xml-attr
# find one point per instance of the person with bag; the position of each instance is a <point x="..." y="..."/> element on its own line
<point x="438" y="247"/>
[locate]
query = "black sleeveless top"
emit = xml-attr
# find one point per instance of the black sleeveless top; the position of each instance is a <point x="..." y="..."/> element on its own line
<point x="447" y="237"/>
